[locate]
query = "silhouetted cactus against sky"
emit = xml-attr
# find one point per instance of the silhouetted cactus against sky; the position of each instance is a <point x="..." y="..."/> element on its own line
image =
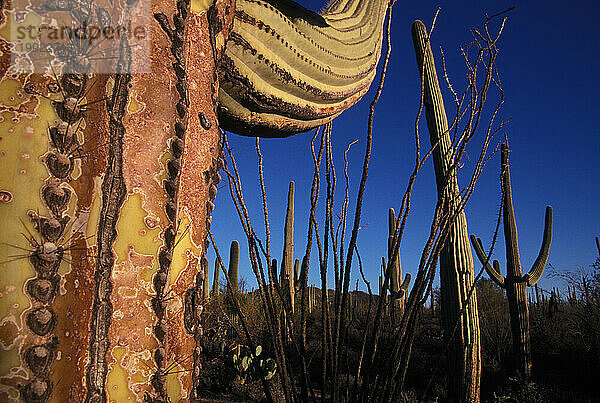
<point x="287" y="262"/>
<point x="515" y="283"/>
<point x="397" y="290"/>
<point x="216" y="285"/>
<point x="234" y="266"/>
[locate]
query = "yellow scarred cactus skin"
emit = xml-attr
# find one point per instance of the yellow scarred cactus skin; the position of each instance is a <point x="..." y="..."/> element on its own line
<point x="104" y="169"/>
<point x="65" y="353"/>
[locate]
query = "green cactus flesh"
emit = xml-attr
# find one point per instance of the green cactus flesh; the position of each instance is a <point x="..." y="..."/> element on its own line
<point x="287" y="262"/>
<point x="234" y="266"/>
<point x="151" y="171"/>
<point x="456" y="260"/>
<point x="288" y="70"/>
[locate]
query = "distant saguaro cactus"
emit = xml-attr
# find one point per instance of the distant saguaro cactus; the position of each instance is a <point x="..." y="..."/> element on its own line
<point x="215" y="287"/>
<point x="515" y="282"/>
<point x="398" y="290"/>
<point x="206" y="282"/>
<point x="456" y="260"/>
<point x="234" y="263"/>
<point x="287" y="262"/>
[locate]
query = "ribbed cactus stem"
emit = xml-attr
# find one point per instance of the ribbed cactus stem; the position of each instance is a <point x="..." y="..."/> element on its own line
<point x="397" y="290"/>
<point x="297" y="274"/>
<point x="234" y="263"/>
<point x="515" y="282"/>
<point x="206" y="282"/>
<point x="403" y="289"/>
<point x="456" y="260"/>
<point x="274" y="268"/>
<point x="598" y="244"/>
<point x="382" y="278"/>
<point x="215" y="287"/>
<point x="287" y="262"/>
<point x="396" y="270"/>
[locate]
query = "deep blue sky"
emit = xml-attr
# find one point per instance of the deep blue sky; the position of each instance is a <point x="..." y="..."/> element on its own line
<point x="548" y="64"/>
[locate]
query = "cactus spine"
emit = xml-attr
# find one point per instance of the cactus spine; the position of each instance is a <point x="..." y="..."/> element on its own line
<point x="515" y="282"/>
<point x="456" y="260"/>
<point x="234" y="264"/>
<point x="287" y="262"/>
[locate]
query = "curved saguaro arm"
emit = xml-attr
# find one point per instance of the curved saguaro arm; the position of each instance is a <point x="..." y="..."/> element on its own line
<point x="493" y="272"/>
<point x="537" y="269"/>
<point x="598" y="244"/>
<point x="403" y="289"/>
<point x="287" y="70"/>
<point x="510" y="234"/>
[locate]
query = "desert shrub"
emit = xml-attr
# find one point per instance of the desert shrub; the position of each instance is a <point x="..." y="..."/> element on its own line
<point x="494" y="324"/>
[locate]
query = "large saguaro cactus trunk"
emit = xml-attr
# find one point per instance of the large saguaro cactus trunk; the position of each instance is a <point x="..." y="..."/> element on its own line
<point x="104" y="193"/>
<point x="456" y="259"/>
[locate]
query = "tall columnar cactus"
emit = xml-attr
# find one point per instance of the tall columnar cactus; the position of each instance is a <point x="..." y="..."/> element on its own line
<point x="287" y="262"/>
<point x="381" y="278"/>
<point x="456" y="260"/>
<point x="297" y="275"/>
<point x="234" y="266"/>
<point x="311" y="295"/>
<point x="216" y="284"/>
<point x="515" y="283"/>
<point x="397" y="290"/>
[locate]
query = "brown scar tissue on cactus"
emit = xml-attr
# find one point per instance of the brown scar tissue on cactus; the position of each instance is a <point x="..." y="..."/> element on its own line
<point x="110" y="155"/>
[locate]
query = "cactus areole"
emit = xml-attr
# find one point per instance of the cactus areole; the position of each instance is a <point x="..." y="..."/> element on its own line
<point x="110" y="174"/>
